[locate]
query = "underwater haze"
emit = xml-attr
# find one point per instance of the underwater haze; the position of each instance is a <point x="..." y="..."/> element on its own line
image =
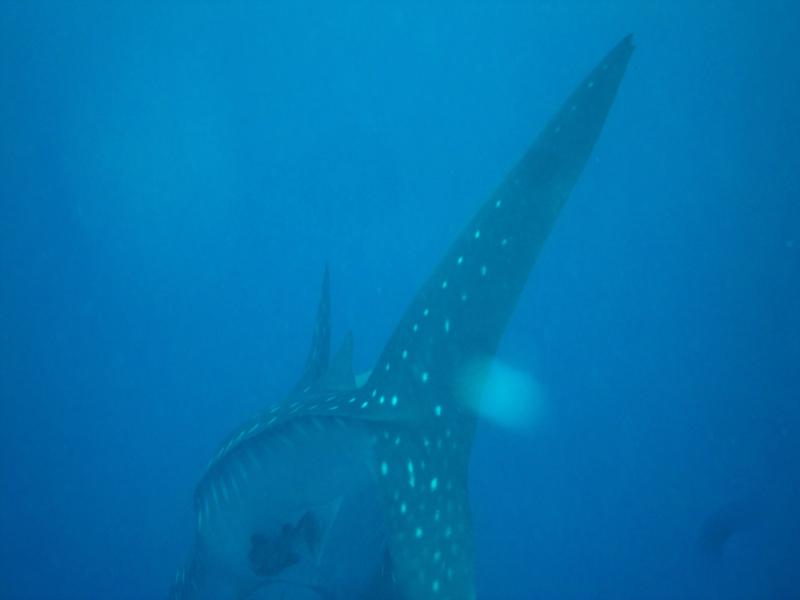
<point x="174" y="178"/>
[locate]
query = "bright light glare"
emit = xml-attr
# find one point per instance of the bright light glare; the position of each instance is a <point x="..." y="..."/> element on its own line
<point x="502" y="394"/>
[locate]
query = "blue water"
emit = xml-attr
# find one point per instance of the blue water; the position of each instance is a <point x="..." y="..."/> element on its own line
<point x="174" y="179"/>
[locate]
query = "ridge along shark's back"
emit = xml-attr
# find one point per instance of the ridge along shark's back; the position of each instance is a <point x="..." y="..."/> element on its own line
<point x="420" y="429"/>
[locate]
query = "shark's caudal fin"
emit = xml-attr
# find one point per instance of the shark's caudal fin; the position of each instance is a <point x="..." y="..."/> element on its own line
<point x="457" y="320"/>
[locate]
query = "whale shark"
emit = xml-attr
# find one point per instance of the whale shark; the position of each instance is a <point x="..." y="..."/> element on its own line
<point x="359" y="489"/>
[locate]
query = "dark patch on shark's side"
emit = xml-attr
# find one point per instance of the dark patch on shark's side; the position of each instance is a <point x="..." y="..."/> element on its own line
<point x="271" y="555"/>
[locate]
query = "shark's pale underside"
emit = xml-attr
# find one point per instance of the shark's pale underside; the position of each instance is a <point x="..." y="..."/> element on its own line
<point x="345" y="491"/>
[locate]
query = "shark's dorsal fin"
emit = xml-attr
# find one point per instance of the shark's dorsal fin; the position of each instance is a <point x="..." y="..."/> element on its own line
<point x="456" y="320"/>
<point x="339" y="375"/>
<point x="319" y="353"/>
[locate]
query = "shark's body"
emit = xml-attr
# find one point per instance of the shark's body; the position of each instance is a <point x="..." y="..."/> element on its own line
<point x="361" y="492"/>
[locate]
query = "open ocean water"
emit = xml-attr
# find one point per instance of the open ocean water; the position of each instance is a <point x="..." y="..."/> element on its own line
<point x="175" y="176"/>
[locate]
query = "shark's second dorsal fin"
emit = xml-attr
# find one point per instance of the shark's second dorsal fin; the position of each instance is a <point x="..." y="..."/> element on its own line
<point x="319" y="353"/>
